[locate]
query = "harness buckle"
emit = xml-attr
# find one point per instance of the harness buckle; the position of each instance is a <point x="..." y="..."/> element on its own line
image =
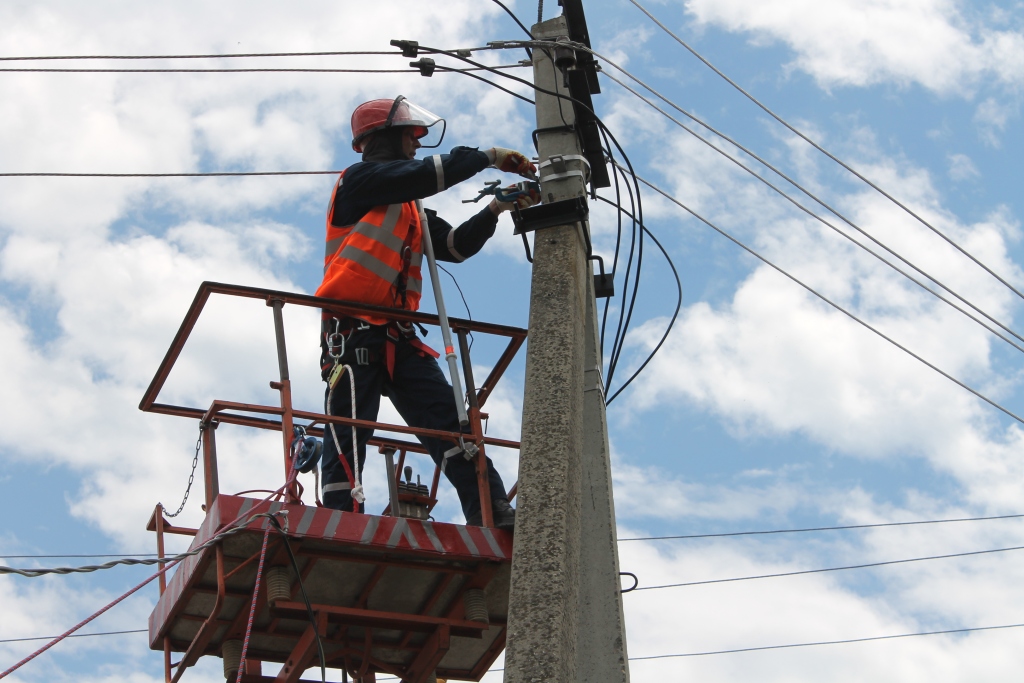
<point x="362" y="356"/>
<point x="363" y="325"/>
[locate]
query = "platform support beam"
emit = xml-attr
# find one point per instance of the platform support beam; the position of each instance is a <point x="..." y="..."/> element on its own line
<point x="543" y="598"/>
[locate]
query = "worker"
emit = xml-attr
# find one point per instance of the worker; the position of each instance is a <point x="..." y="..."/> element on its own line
<point x="374" y="253"/>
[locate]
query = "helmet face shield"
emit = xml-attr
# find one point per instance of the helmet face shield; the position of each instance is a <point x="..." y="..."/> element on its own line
<point x="376" y="115"/>
<point x="405" y="113"/>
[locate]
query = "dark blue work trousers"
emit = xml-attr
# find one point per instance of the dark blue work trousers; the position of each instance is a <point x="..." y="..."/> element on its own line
<point x="422" y="396"/>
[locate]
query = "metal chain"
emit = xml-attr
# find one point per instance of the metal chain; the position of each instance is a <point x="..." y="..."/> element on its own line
<point x="192" y="475"/>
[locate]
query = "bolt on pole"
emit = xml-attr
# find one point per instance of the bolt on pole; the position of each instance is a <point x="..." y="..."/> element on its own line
<point x="544" y="593"/>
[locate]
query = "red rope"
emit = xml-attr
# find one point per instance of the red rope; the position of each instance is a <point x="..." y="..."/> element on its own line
<point x="252" y="608"/>
<point x="67" y="633"/>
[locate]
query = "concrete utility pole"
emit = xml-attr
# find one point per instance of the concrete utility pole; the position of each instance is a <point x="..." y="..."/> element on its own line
<point x="565" y="564"/>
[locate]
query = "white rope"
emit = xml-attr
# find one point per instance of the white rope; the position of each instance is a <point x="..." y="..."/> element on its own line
<point x="357" y="486"/>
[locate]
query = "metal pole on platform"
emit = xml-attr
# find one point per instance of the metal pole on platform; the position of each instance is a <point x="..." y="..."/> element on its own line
<point x="442" y="313"/>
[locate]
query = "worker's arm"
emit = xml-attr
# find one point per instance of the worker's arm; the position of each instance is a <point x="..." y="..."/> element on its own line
<point x="458" y="244"/>
<point x="369" y="184"/>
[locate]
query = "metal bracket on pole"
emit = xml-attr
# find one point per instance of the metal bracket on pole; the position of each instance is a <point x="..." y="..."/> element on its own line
<point x="553" y="214"/>
<point x="442" y="314"/>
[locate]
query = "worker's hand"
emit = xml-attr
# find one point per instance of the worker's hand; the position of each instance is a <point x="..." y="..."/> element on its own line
<point x="524" y="200"/>
<point x="511" y="161"/>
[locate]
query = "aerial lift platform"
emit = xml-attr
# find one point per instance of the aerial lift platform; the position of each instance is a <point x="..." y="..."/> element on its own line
<point x="393" y="594"/>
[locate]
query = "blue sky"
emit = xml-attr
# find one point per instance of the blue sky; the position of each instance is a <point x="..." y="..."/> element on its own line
<point x="765" y="409"/>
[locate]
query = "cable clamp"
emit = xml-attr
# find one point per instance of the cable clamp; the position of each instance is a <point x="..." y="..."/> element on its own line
<point x="426" y="65"/>
<point x="409" y="48"/>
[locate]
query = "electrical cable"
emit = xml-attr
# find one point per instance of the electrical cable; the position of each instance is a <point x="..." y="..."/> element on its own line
<point x="620" y="330"/>
<point x="618" y="241"/>
<point x="544" y="45"/>
<point x="812" y="196"/>
<point x="827" y="153"/>
<point x="878" y="525"/>
<point x="811" y="644"/>
<point x="822" y="528"/>
<point x="829" y="569"/>
<point x="305" y="598"/>
<point x="34" y="557"/>
<point x="35" y="573"/>
<point x="506" y="44"/>
<point x="469" y="314"/>
<point x="208" y="56"/>
<point x="675" y="314"/>
<point x="437" y="69"/>
<point x="829" y="642"/>
<point x="831" y="303"/>
<point x="502" y="5"/>
<point x="210" y="174"/>
<point x="75" y="635"/>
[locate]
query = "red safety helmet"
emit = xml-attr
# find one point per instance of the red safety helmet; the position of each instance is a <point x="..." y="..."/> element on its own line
<point x="369" y="117"/>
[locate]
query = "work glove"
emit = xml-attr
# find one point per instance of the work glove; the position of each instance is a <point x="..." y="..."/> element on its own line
<point x="525" y="200"/>
<point x="511" y="161"/>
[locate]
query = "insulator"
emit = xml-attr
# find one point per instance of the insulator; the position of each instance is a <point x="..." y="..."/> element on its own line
<point x="279" y="584"/>
<point x="475" y="602"/>
<point x="231" y="651"/>
<point x="565" y="57"/>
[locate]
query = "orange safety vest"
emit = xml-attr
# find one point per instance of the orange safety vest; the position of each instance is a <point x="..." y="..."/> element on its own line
<point x="377" y="260"/>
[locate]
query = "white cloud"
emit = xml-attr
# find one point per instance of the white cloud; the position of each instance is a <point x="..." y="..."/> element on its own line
<point x="935" y="43"/>
<point x="962" y="168"/>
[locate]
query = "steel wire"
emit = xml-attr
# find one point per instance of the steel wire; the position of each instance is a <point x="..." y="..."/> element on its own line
<point x="828" y="301"/>
<point x="824" y="151"/>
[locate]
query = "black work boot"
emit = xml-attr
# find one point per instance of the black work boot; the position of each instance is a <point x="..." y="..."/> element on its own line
<point x="504" y="515"/>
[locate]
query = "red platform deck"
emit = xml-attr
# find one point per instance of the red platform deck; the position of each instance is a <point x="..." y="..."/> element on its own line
<point x="392" y="584"/>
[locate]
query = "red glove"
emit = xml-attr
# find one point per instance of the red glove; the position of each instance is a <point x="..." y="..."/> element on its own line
<point x="511" y="161"/>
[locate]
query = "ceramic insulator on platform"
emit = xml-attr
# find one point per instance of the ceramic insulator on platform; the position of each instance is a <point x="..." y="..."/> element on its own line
<point x="279" y="584"/>
<point x="231" y="651"/>
<point x="475" y="602"/>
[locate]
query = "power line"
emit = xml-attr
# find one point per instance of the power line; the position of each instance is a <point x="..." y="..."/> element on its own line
<point x="75" y="635"/>
<point x="658" y="538"/>
<point x="36" y="557"/>
<point x="821" y="528"/>
<point x="827" y="153"/>
<point x="213" y="71"/>
<point x="831" y="303"/>
<point x="206" y="56"/>
<point x="35" y="573"/>
<point x="828" y="569"/>
<point x="845" y="641"/>
<point x="212" y="174"/>
<point x="437" y="69"/>
<point x="649" y="657"/>
<point x="829" y="642"/>
<point x="815" y="198"/>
